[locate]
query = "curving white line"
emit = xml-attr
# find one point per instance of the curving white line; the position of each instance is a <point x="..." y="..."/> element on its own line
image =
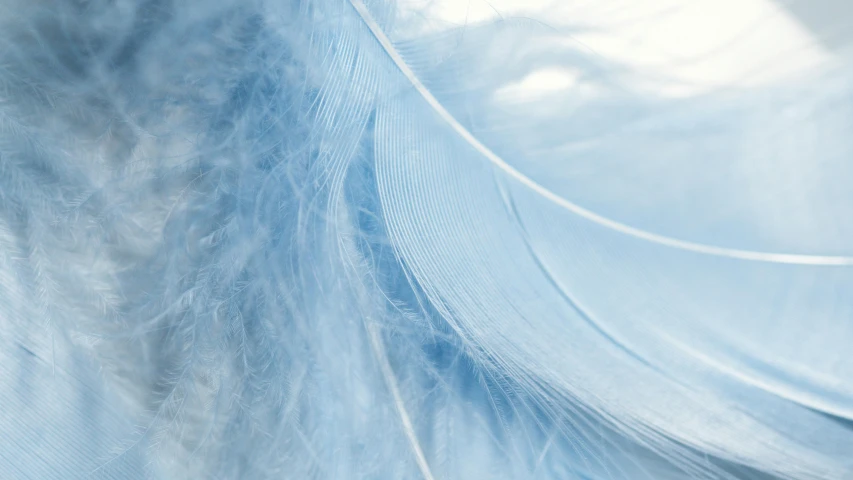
<point x="391" y="382"/>
<point x="785" y="258"/>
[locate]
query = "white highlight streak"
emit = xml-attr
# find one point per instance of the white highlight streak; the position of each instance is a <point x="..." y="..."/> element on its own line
<point x="784" y="258"/>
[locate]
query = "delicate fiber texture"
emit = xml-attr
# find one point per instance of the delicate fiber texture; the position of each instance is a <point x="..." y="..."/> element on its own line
<point x="329" y="239"/>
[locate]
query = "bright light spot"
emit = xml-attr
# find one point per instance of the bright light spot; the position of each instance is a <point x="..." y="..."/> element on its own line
<point x="683" y="47"/>
<point x="543" y="81"/>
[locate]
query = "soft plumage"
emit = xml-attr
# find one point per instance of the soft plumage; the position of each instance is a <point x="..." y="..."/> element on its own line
<point x="274" y="239"/>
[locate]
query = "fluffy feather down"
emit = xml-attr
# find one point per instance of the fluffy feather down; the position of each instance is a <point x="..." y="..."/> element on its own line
<point x="290" y="239"/>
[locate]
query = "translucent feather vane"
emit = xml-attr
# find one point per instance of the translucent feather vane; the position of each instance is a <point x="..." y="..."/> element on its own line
<point x="375" y="239"/>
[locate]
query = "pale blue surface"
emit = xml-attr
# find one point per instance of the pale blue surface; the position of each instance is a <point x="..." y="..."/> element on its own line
<point x="277" y="239"/>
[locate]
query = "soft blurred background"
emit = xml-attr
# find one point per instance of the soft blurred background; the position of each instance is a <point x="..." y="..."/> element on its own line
<point x="689" y="47"/>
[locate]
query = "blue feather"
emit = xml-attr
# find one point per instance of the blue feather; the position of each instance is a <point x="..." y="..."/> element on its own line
<point x="326" y="239"/>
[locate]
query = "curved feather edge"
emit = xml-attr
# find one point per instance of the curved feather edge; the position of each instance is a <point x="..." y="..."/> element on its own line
<point x="497" y="161"/>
